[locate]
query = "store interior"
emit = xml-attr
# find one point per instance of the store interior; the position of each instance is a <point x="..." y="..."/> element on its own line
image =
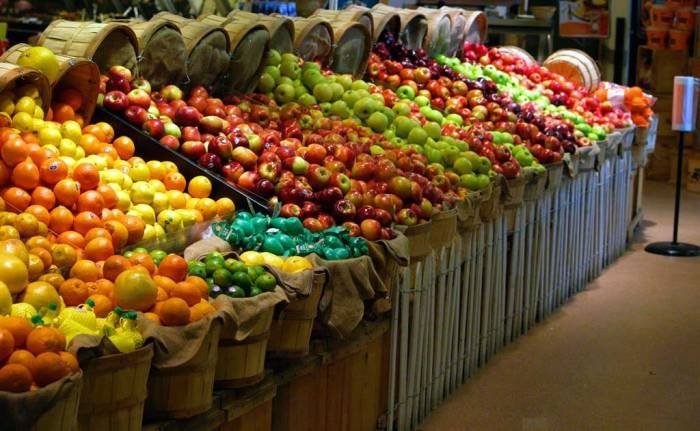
<point x="398" y="215"/>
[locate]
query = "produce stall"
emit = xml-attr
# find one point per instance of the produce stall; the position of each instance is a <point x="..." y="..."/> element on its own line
<point x="358" y="220"/>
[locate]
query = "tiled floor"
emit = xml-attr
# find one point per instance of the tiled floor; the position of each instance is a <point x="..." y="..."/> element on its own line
<point x="622" y="355"/>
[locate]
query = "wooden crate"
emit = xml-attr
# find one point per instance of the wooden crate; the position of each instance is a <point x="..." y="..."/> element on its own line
<point x="657" y="67"/>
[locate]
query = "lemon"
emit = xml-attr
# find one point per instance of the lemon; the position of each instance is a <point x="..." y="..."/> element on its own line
<point x="25" y="104"/>
<point x="252" y="258"/>
<point x="296" y="264"/>
<point x="140" y="172"/>
<point x="37" y="124"/>
<point x="38" y="112"/>
<point x="23" y="122"/>
<point x="7" y="103"/>
<point x="160" y="202"/>
<point x="147" y="212"/>
<point x="71" y="130"/>
<point x="5" y="300"/>
<point x="123" y="200"/>
<point x="22" y="309"/>
<point x="170" y="220"/>
<point x="50" y="136"/>
<point x="157" y="185"/>
<point x="272" y="260"/>
<point x="149" y="233"/>
<point x="142" y="193"/>
<point x="43" y="59"/>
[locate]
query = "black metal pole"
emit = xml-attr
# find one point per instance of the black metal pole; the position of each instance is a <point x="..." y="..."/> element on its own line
<point x="679" y="178"/>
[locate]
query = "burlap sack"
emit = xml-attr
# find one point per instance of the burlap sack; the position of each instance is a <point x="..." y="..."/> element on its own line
<point x="242" y="314"/>
<point x="22" y="411"/>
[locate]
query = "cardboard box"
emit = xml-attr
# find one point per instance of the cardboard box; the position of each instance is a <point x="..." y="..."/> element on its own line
<point x="693" y="182"/>
<point x="657" y="67"/>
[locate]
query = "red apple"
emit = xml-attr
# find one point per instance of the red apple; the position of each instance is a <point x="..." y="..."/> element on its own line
<point x="139" y="97"/>
<point x="371" y="229"/>
<point x="193" y="149"/>
<point x="170" y="141"/>
<point x="116" y="101"/>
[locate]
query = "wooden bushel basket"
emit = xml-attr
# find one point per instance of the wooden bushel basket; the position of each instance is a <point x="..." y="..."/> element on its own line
<point x="290" y="332"/>
<point x="185" y="390"/>
<point x="439" y="35"/>
<point x="204" y="65"/>
<point x="491" y="204"/>
<point x="349" y="36"/>
<point x="63" y="414"/>
<point x="353" y="13"/>
<point x="477" y="26"/>
<point x="158" y="69"/>
<point x="555" y="172"/>
<point x="114" y="391"/>
<point x="513" y="192"/>
<point x="77" y="73"/>
<point x="384" y="20"/>
<point x="575" y="65"/>
<point x="444" y="229"/>
<point x="247" y="60"/>
<point x="419" y="239"/>
<point x="96" y="41"/>
<point x="13" y="76"/>
<point x="242" y="363"/>
<point x="280" y="27"/>
<point x="413" y="27"/>
<point x="534" y="186"/>
<point x="313" y="39"/>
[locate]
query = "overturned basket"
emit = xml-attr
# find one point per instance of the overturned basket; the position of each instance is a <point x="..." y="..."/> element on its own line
<point x="77" y="73"/>
<point x="356" y="14"/>
<point x="384" y="19"/>
<point x="249" y="46"/>
<point x="414" y="25"/>
<point x="13" y="76"/>
<point x="438" y="38"/>
<point x="353" y="45"/>
<point x="107" y="44"/>
<point x="281" y="28"/>
<point x="207" y="48"/>
<point x="162" y="53"/>
<point x="313" y="40"/>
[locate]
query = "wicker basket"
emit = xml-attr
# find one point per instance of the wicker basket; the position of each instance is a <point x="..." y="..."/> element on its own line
<point x="63" y="414"/>
<point x="242" y="363"/>
<point x="99" y="42"/>
<point x="114" y="391"/>
<point x="280" y="27"/>
<point x="205" y="63"/>
<point x="13" y="76"/>
<point x="160" y="70"/>
<point x="313" y="39"/>
<point x="186" y="390"/>
<point x="247" y="62"/>
<point x="77" y="73"/>
<point x="291" y="328"/>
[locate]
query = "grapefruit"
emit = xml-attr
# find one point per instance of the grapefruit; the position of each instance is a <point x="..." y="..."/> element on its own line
<point x="13" y="272"/>
<point x="43" y="59"/>
<point x="40" y="294"/>
<point x="134" y="289"/>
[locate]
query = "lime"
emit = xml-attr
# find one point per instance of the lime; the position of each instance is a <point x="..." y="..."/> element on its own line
<point x="254" y="291"/>
<point x="222" y="277"/>
<point x="241" y="279"/>
<point x="266" y="282"/>
<point x="197" y="268"/>
<point x="214" y="254"/>
<point x="158" y="255"/>
<point x="128" y="254"/>
<point x="140" y="250"/>
<point x="214" y="263"/>
<point x="234" y="265"/>
<point x="210" y="282"/>
<point x="235" y="292"/>
<point x="215" y="291"/>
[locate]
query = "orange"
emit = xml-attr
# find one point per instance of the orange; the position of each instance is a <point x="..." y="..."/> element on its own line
<point x="74" y="292"/>
<point x="16" y="199"/>
<point x="71" y="97"/>
<point x="97" y="232"/>
<point x="107" y="130"/>
<point x="162" y="295"/>
<point x="25" y="174"/>
<point x="61" y="219"/>
<point x="62" y="113"/>
<point x="187" y="291"/>
<point x="7" y="344"/>
<point x="103" y="305"/>
<point x="87" y="175"/>
<point x="135" y="227"/>
<point x="152" y="316"/>
<point x="67" y="191"/>
<point x="49" y="368"/>
<point x="175" y="181"/>
<point x="94" y="130"/>
<point x="224" y="207"/>
<point x="53" y="170"/>
<point x="103" y="287"/>
<point x="79" y="119"/>
<point x="26" y="224"/>
<point x="109" y="152"/>
<point x="109" y="196"/>
<point x="43" y="196"/>
<point x="23" y="357"/>
<point x="135" y="290"/>
<point x="15" y="378"/>
<point x="14" y="151"/>
<point x="99" y="249"/>
<point x="38" y="154"/>
<point x="40" y="213"/>
<point x="165" y="283"/>
<point x="115" y="265"/>
<point x="53" y="278"/>
<point x="125" y="147"/>
<point x="173" y="266"/>
<point x="85" y="270"/>
<point x="72" y="238"/>
<point x="118" y="232"/>
<point x="196" y="314"/>
<point x="35" y="267"/>
<point x="45" y="339"/>
<point x="199" y="187"/>
<point x="144" y="260"/>
<point x="85" y="221"/>
<point x="4" y="173"/>
<point x="207" y="207"/>
<point x="91" y="201"/>
<point x="90" y="143"/>
<point x="174" y="312"/>
<point x="30" y="137"/>
<point x="42" y="254"/>
<point x="63" y="256"/>
<point x="70" y="360"/>
<point x="201" y="284"/>
<point x="19" y="327"/>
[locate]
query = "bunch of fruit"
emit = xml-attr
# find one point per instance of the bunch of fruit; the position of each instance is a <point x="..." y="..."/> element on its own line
<point x="32" y="355"/>
<point x="232" y="277"/>
<point x="289" y="237"/>
<point x="21" y="108"/>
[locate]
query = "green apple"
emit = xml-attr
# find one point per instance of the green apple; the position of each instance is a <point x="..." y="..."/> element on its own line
<point x="389" y="134"/>
<point x="483" y="166"/>
<point x="417" y="136"/>
<point x="434" y="115"/>
<point x="285" y="80"/>
<point x="379" y="98"/>
<point x="363" y="93"/>
<point x="288" y="57"/>
<point x="274" y="72"/>
<point x="311" y="77"/>
<point x="403" y="126"/>
<point x="378" y="122"/>
<point x="172" y="129"/>
<point x="390" y="115"/>
<point x="274" y="58"/>
<point x="401" y="108"/>
<point x="405" y="92"/>
<point x="291" y="70"/>
<point x="425" y="110"/>
<point x="462" y="166"/>
<point x="340" y="108"/>
<point x="434" y="155"/>
<point x="325" y="108"/>
<point x="469" y="181"/>
<point x="300" y="90"/>
<point x="350" y="98"/>
<point x="266" y="83"/>
<point x="359" y="85"/>
<point x="450" y="154"/>
<point x="338" y="90"/>
<point x="484" y="181"/>
<point x="472" y="157"/>
<point x="398" y="142"/>
<point x="365" y="107"/>
<point x="454" y="119"/>
<point x="422" y="101"/>
<point x="432" y="129"/>
<point x="284" y="93"/>
<point x="323" y="92"/>
<point x="344" y="80"/>
<point x="310" y="65"/>
<point x="306" y="100"/>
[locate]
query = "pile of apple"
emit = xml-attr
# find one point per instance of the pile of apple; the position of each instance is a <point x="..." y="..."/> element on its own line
<point x="545" y="86"/>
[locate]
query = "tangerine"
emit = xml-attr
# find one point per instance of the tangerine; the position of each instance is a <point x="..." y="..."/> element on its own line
<point x="87" y="175"/>
<point x="17" y="199"/>
<point x="109" y="196"/>
<point x="42" y="254"/>
<point x="23" y="357"/>
<point x="92" y="201"/>
<point x="7" y="344"/>
<point x="74" y="292"/>
<point x="99" y="249"/>
<point x="67" y="191"/>
<point x="49" y="368"/>
<point x="115" y="265"/>
<point x="187" y="291"/>
<point x="26" y="224"/>
<point x="175" y="181"/>
<point x="40" y="212"/>
<point x="4" y="173"/>
<point x="119" y="233"/>
<point x="85" y="270"/>
<point x="63" y="255"/>
<point x="135" y="226"/>
<point x="164" y="283"/>
<point x="61" y="219"/>
<point x="152" y="317"/>
<point x="90" y="143"/>
<point x="70" y="360"/>
<point x="44" y="339"/>
<point x="196" y="314"/>
<point x="201" y="285"/>
<point x="25" y="174"/>
<point x="19" y="327"/>
<point x="62" y="112"/>
<point x="85" y="221"/>
<point x="174" y="267"/>
<point x="53" y="170"/>
<point x="174" y="312"/>
<point x="53" y="278"/>
<point x="125" y="147"/>
<point x="72" y="238"/>
<point x="103" y="305"/>
<point x="15" y="378"/>
<point x="145" y="260"/>
<point x="102" y="286"/>
<point x="14" y="151"/>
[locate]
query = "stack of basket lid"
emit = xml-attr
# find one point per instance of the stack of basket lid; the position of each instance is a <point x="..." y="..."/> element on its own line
<point x="576" y="66"/>
<point x="313" y="39"/>
<point x="73" y="72"/>
<point x="414" y="24"/>
<point x="280" y="27"/>
<point x="107" y="44"/>
<point x="249" y="45"/>
<point x="162" y="52"/>
<point x="207" y="48"/>
<point x="353" y="39"/>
